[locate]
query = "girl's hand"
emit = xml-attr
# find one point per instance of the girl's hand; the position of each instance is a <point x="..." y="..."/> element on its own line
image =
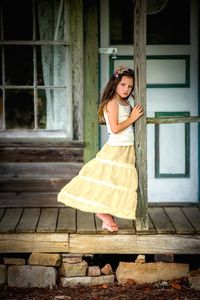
<point x="136" y="113"/>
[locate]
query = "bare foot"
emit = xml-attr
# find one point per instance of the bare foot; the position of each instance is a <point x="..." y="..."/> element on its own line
<point x="108" y="227"/>
<point x="108" y="222"/>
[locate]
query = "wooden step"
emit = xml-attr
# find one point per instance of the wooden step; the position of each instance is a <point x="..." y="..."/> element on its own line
<point x="40" y="142"/>
<point x="35" y="199"/>
<point x="32" y="184"/>
<point x="40" y="150"/>
<point x="41" y="170"/>
<point x="36" y="177"/>
<point x="38" y="154"/>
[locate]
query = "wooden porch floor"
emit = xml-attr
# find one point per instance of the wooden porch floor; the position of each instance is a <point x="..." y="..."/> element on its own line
<point x="172" y="229"/>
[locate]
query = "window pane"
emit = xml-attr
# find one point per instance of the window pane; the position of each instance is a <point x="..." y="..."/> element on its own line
<point x="19" y="65"/>
<point x="51" y="65"/>
<point x="19" y="107"/>
<point x="18" y="20"/>
<point x="42" y="109"/>
<point x="50" y="20"/>
<point x="121" y="22"/>
<point x="170" y="25"/>
<point x="52" y="109"/>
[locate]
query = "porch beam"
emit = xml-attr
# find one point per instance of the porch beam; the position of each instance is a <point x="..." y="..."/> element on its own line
<point x="137" y="244"/>
<point x="140" y="97"/>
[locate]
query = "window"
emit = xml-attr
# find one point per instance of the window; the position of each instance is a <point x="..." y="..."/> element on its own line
<point x="173" y="20"/>
<point x="34" y="68"/>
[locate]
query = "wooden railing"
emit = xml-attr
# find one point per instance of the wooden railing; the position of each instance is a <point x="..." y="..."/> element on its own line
<point x="172" y="120"/>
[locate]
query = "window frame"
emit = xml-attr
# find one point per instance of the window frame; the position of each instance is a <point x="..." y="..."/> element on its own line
<point x="36" y="132"/>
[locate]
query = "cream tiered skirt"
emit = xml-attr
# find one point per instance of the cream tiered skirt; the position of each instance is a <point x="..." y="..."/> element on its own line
<point x="106" y="184"/>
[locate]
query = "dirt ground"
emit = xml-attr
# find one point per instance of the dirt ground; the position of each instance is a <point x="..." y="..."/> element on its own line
<point x="166" y="290"/>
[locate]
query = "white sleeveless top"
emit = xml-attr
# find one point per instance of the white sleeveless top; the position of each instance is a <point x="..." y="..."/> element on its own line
<point x="124" y="137"/>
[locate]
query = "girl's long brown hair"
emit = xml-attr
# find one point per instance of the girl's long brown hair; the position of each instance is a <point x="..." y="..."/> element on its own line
<point x="110" y="89"/>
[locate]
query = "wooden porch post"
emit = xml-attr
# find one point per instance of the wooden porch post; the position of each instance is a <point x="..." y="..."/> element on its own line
<point x="90" y="79"/>
<point x="140" y="97"/>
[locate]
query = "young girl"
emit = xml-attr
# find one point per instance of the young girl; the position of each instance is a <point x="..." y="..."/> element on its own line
<point x="107" y="185"/>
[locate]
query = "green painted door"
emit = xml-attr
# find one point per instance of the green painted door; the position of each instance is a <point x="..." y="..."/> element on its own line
<point x="172" y="89"/>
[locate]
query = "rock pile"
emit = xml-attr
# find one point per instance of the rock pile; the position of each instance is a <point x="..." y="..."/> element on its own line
<point x="47" y="269"/>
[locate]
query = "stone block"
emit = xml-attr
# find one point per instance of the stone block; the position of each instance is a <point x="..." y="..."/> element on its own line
<point x="194" y="279"/>
<point x="3" y="273"/>
<point x="72" y="255"/>
<point x="107" y="269"/>
<point x="45" y="259"/>
<point x="150" y="272"/>
<point x="14" y="261"/>
<point x="93" y="271"/>
<point x="73" y="270"/>
<point x="31" y="276"/>
<point x="140" y="259"/>
<point x="87" y="280"/>
<point x="72" y="258"/>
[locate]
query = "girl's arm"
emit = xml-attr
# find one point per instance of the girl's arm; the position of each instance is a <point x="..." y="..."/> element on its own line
<point x="112" y="112"/>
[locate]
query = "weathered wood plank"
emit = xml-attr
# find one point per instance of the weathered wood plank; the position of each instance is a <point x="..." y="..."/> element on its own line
<point x="10" y="219"/>
<point x="48" y="220"/>
<point x="47" y="142"/>
<point x="66" y="220"/>
<point x="90" y="78"/>
<point x="40" y="154"/>
<point x="140" y="125"/>
<point x="149" y="230"/>
<point x="125" y="226"/>
<point x="29" y="220"/>
<point x="137" y="244"/>
<point x="76" y="42"/>
<point x="85" y="223"/>
<point x="32" y="184"/>
<point x="193" y="215"/>
<point x="179" y="220"/>
<point x="29" y="200"/>
<point x="33" y="242"/>
<point x="35" y="169"/>
<point x="173" y="120"/>
<point x="160" y="220"/>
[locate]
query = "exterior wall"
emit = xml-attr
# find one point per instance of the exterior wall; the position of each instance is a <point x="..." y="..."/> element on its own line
<point x="84" y="41"/>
